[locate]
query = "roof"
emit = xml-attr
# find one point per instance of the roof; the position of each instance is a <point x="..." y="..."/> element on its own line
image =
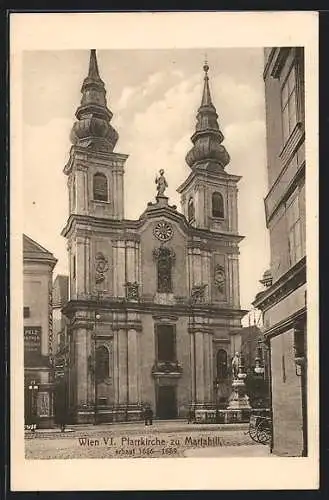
<point x="33" y="251"/>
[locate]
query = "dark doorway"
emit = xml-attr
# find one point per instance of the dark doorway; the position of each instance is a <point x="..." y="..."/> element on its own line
<point x="166" y="403"/>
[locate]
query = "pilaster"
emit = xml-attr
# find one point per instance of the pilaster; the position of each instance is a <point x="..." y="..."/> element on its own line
<point x="123" y="366"/>
<point x="199" y="366"/>
<point x="133" y="379"/>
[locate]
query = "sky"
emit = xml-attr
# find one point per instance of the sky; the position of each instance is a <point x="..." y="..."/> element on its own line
<point x="154" y="96"/>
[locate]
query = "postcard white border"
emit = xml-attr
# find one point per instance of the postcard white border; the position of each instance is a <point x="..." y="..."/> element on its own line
<point x="44" y="31"/>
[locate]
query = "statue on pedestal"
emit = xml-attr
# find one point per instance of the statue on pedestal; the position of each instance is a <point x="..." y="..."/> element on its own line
<point x="235" y="365"/>
<point x="161" y="183"/>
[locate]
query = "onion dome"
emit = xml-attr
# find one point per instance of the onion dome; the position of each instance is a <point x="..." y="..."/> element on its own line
<point x="92" y="129"/>
<point x="207" y="137"/>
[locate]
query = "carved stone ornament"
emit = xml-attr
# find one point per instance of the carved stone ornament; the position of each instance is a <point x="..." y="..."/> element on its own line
<point x="163" y="231"/>
<point x="198" y="293"/>
<point x="132" y="292"/>
<point x="102" y="267"/>
<point x="219" y="278"/>
<point x="159" y="253"/>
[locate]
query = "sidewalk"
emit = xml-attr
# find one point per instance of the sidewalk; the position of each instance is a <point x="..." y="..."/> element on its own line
<point x="158" y="425"/>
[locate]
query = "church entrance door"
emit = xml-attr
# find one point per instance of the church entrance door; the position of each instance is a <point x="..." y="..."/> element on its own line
<point x="166" y="403"/>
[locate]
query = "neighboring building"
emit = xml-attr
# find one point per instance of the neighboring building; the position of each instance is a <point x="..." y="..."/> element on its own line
<point x="61" y="350"/>
<point x="60" y="298"/>
<point x="151" y="301"/>
<point x="38" y="265"/>
<point x="283" y="301"/>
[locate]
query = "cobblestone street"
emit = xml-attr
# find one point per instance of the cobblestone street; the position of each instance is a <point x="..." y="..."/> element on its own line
<point x="162" y="440"/>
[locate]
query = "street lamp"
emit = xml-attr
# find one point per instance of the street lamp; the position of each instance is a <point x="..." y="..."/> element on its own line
<point x="33" y="388"/>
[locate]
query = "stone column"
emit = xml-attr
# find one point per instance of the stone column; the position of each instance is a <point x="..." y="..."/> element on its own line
<point x="90" y="351"/>
<point x="123" y="367"/>
<point x="133" y="382"/>
<point x="199" y="366"/>
<point x="86" y="192"/>
<point x="235" y="209"/>
<point x="80" y="192"/>
<point x="115" y="269"/>
<point x="205" y="271"/>
<point x="131" y="261"/>
<point x="120" y="194"/>
<point x="192" y="354"/>
<point x="81" y="361"/>
<point x="121" y="268"/>
<point x="116" y="367"/>
<point x="230" y="279"/>
<point x="206" y="364"/>
<point x="235" y="280"/>
<point x="190" y="268"/>
<point x="211" y="365"/>
<point x="87" y="266"/>
<point x="197" y="276"/>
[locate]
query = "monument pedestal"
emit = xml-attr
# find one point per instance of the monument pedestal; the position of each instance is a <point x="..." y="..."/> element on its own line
<point x="239" y="408"/>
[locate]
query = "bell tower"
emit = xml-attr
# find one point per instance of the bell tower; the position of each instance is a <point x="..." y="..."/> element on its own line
<point x="209" y="194"/>
<point x="95" y="172"/>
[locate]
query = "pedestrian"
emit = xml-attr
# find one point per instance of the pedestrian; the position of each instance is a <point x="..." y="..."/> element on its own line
<point x="148" y="415"/>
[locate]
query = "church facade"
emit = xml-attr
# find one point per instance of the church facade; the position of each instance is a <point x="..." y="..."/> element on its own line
<point x="152" y="300"/>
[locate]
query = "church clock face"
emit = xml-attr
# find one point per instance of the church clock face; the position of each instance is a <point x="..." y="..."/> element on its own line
<point x="163" y="231"/>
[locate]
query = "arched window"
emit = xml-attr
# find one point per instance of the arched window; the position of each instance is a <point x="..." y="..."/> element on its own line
<point x="217" y="205"/>
<point x="221" y="364"/>
<point x="190" y="210"/>
<point x="165" y="257"/>
<point x="102" y="363"/>
<point x="100" y="187"/>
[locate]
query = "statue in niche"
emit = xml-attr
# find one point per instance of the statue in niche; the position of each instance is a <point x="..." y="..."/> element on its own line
<point x="101" y="267"/>
<point x="165" y="258"/>
<point x="161" y="183"/>
<point x="132" y="292"/>
<point x="198" y="293"/>
<point x="219" y="278"/>
<point x="235" y="365"/>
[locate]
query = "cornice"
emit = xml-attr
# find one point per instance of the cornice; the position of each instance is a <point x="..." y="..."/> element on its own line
<point x="159" y="310"/>
<point x="286" y="284"/>
<point x="285" y="324"/>
<point x="206" y="176"/>
<point x="90" y="224"/>
<point x="275" y="62"/>
<point x="85" y="157"/>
